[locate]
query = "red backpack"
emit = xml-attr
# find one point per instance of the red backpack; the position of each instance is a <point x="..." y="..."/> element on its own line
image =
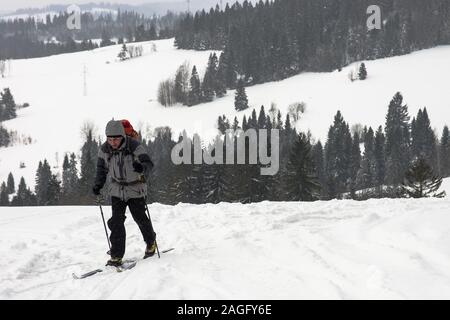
<point x="129" y="131"/>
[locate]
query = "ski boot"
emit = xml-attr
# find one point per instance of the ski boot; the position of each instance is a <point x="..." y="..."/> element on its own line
<point x="150" y="250"/>
<point x="114" y="262"/>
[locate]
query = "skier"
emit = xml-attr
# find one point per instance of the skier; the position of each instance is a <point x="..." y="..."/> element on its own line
<point x="126" y="163"/>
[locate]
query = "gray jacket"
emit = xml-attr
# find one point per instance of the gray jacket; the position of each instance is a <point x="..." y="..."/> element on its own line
<point x="117" y="166"/>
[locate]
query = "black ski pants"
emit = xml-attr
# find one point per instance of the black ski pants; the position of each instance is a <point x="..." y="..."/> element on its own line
<point x="117" y="224"/>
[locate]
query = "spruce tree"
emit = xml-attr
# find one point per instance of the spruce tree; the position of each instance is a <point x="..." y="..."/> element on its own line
<point x="319" y="165"/>
<point x="355" y="165"/>
<point x="194" y="96"/>
<point x="362" y="74"/>
<point x="380" y="159"/>
<point x="123" y="54"/>
<point x="69" y="177"/>
<point x="220" y="84"/>
<point x="366" y="175"/>
<point x="240" y="98"/>
<point x="444" y="153"/>
<point x="424" y="142"/>
<point x="338" y="157"/>
<point x="5" y="139"/>
<point x="4" y="198"/>
<point x="421" y="182"/>
<point x="301" y="182"/>
<point x="24" y="196"/>
<point x="9" y="105"/>
<point x="10" y="185"/>
<point x="88" y="163"/>
<point x="262" y="119"/>
<point x="397" y="140"/>
<point x="208" y="84"/>
<point x="47" y="185"/>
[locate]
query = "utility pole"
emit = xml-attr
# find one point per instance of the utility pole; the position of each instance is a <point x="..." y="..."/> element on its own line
<point x="189" y="5"/>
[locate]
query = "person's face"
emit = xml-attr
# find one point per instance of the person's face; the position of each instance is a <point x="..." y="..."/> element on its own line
<point x="114" y="142"/>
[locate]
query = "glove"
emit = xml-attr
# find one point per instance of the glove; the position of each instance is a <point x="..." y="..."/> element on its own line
<point x="96" y="190"/>
<point x="138" y="167"/>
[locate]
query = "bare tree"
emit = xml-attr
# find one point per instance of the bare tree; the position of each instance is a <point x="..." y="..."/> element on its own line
<point x="296" y="109"/>
<point x="166" y="93"/>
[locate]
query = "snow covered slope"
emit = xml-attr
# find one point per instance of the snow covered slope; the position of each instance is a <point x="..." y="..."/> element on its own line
<point x="54" y="88"/>
<point x="393" y="249"/>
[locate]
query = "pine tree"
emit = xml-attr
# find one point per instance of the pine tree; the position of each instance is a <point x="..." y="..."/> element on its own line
<point x="338" y="157"/>
<point x="421" y="182"/>
<point x="5" y="139"/>
<point x="47" y="185"/>
<point x="355" y="165"/>
<point x="215" y="177"/>
<point x="123" y="54"/>
<point x="69" y="177"/>
<point x="444" y="153"/>
<point x="240" y="99"/>
<point x="10" y="185"/>
<point x="88" y="163"/>
<point x="9" y="105"/>
<point x="319" y="165"/>
<point x="301" y="182"/>
<point x="195" y="95"/>
<point x="4" y="198"/>
<point x="424" y="141"/>
<point x="379" y="160"/>
<point x="397" y="140"/>
<point x="220" y="84"/>
<point x="262" y="119"/>
<point x="24" y="195"/>
<point x="362" y="74"/>
<point x="209" y="80"/>
<point x="366" y="176"/>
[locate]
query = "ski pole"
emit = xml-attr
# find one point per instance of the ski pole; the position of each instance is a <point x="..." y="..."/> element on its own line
<point x="148" y="214"/>
<point x="104" y="224"/>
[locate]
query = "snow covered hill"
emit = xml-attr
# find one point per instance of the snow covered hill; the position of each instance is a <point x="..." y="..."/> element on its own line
<point x="393" y="249"/>
<point x="54" y="88"/>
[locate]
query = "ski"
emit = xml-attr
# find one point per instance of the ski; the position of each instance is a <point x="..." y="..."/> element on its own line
<point x="127" y="265"/>
<point x="88" y="274"/>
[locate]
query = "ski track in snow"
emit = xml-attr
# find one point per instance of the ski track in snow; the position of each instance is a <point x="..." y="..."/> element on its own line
<point x="377" y="249"/>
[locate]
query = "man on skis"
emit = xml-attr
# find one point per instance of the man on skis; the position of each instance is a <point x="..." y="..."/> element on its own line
<point x="127" y="165"/>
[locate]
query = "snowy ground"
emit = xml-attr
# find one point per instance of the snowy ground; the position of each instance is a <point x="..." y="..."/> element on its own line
<point x="54" y="88"/>
<point x="380" y="249"/>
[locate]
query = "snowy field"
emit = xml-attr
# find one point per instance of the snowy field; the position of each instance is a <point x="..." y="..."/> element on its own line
<point x="377" y="249"/>
<point x="54" y="88"/>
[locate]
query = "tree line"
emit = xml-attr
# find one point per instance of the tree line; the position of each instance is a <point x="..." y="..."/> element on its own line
<point x="273" y="40"/>
<point x="404" y="150"/>
<point x="29" y="38"/>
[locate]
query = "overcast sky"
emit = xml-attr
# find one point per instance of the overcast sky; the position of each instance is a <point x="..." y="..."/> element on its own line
<point x="11" y="5"/>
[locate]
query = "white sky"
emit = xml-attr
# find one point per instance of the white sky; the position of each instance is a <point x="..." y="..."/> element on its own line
<point x="11" y="5"/>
